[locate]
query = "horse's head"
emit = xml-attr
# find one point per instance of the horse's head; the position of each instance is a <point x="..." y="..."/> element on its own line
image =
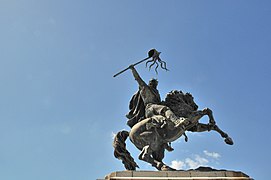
<point x="182" y="104"/>
<point x="189" y="100"/>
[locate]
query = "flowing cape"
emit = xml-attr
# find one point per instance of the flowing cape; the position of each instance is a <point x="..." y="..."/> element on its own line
<point x="137" y="109"/>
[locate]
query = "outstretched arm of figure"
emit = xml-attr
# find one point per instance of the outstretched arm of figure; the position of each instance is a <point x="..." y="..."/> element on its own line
<point x="139" y="80"/>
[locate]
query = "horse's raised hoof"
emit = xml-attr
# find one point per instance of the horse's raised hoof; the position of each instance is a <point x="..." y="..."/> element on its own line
<point x="168" y="147"/>
<point x="167" y="168"/>
<point x="229" y="141"/>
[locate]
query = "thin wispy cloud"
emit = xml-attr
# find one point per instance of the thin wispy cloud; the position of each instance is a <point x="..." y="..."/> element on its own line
<point x="212" y="154"/>
<point x="195" y="161"/>
<point x="178" y="164"/>
<point x="201" y="160"/>
<point x="190" y="163"/>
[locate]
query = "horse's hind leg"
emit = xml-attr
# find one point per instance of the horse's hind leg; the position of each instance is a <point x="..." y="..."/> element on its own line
<point x="146" y="155"/>
<point x="159" y="155"/>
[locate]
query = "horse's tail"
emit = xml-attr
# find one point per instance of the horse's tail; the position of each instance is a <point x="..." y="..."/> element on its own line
<point x="120" y="151"/>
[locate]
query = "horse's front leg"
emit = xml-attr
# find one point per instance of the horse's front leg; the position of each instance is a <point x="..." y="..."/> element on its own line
<point x="212" y="126"/>
<point x="197" y="115"/>
<point x="227" y="139"/>
<point x="200" y="127"/>
<point x="209" y="113"/>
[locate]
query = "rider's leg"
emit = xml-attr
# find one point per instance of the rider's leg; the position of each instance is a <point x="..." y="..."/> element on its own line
<point x="178" y="121"/>
<point x="155" y="109"/>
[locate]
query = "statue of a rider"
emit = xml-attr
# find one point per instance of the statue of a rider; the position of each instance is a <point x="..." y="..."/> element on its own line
<point x="146" y="103"/>
<point x="147" y="95"/>
<point x="155" y="123"/>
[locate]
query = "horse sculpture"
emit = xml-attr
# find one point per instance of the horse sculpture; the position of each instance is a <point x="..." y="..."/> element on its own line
<point x="153" y="134"/>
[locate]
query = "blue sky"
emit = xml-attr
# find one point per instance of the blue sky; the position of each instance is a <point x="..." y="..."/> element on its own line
<point x="60" y="105"/>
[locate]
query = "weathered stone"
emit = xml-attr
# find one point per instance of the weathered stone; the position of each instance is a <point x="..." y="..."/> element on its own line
<point x="149" y="174"/>
<point x="178" y="175"/>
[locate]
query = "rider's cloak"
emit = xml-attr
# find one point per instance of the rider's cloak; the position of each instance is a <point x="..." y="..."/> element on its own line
<point x="137" y="109"/>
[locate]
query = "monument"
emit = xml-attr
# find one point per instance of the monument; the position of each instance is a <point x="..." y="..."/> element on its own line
<point x="155" y="123"/>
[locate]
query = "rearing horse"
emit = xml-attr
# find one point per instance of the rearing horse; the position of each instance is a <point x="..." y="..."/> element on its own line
<point x="152" y="135"/>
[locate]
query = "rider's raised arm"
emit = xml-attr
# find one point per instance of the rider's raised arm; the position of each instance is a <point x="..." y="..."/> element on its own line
<point x="139" y="80"/>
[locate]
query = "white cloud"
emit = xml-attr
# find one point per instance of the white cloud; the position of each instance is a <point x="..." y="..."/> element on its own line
<point x="178" y="164"/>
<point x="190" y="163"/>
<point x="212" y="154"/>
<point x="201" y="160"/>
<point x="198" y="161"/>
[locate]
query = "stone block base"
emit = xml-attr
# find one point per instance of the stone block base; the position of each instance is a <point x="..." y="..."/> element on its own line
<point x="178" y="175"/>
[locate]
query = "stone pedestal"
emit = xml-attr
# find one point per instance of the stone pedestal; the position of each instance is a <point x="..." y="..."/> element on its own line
<point x="178" y="175"/>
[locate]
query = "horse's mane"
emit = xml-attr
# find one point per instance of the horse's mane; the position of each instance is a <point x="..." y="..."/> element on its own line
<point x="177" y="102"/>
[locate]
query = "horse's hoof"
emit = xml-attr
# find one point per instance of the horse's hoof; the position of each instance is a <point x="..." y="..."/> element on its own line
<point x="229" y="141"/>
<point x="167" y="168"/>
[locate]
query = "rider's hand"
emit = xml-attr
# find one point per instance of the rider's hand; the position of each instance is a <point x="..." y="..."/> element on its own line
<point x="131" y="66"/>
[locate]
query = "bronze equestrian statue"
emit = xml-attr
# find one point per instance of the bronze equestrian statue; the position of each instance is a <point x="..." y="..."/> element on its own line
<point x="155" y="123"/>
